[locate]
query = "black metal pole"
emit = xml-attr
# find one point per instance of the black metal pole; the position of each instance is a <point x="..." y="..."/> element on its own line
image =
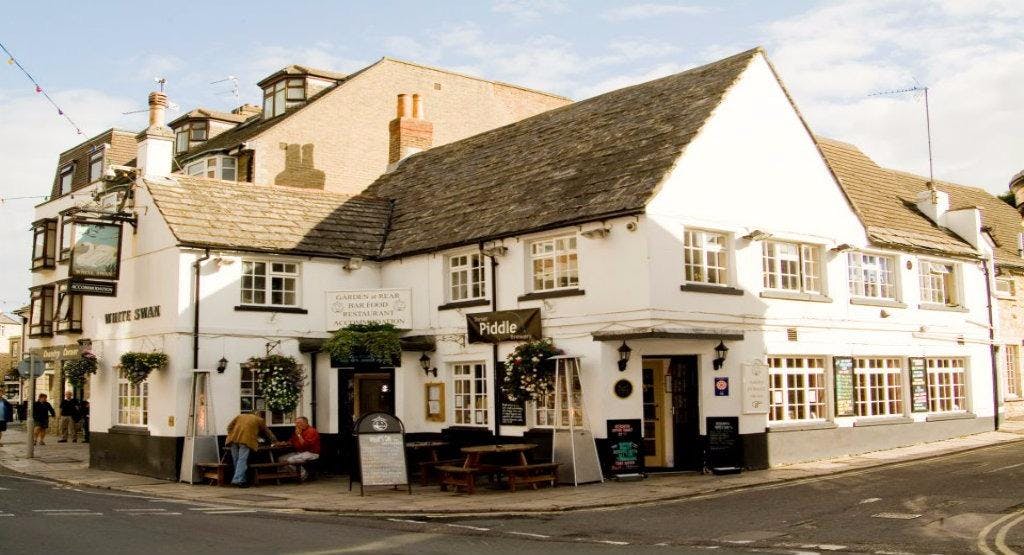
<point x="494" y="346"/>
<point x="992" y="347"/>
<point x="312" y="385"/>
<point x="197" y="267"/>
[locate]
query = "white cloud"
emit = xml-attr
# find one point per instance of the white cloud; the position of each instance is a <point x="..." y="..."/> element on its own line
<point x="646" y="11"/>
<point x="529" y="10"/>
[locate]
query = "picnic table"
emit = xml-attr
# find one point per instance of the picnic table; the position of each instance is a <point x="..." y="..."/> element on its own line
<point x="216" y="473"/>
<point x="426" y="457"/>
<point x="464" y="476"/>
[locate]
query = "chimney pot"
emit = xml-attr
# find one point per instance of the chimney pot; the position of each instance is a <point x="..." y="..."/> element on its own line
<point x="408" y="135"/>
<point x="157" y="106"/>
<point x="403" y="105"/>
<point x="417" y="106"/>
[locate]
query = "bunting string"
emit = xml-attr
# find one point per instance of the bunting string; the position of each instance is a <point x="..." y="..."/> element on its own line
<point x="12" y="61"/>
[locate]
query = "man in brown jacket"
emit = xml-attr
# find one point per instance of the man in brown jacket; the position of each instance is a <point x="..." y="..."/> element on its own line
<point x="244" y="433"/>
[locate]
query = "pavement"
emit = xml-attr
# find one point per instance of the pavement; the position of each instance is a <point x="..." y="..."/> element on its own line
<point x="68" y="463"/>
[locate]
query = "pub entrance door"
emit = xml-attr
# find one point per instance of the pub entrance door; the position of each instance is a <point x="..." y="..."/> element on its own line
<point x="361" y="390"/>
<point x="671" y="413"/>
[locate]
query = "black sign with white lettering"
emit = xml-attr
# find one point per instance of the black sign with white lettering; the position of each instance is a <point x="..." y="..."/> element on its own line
<point x="380" y="438"/>
<point x="504" y="325"/>
<point x="625" y="447"/>
<point x="725" y="452"/>
<point x="95" y="288"/>
<point x="918" y="385"/>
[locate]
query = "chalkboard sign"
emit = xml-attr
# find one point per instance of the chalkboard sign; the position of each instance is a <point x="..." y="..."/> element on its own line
<point x="381" y="447"/>
<point x="513" y="414"/>
<point x="918" y="385"/>
<point x="625" y="447"/>
<point x="843" y="367"/>
<point x="725" y="452"/>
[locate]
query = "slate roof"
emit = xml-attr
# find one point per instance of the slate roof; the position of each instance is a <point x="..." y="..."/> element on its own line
<point x="203" y="113"/>
<point x="597" y="158"/>
<point x="260" y="218"/>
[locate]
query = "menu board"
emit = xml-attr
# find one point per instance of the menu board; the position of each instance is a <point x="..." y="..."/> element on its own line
<point x="513" y="414"/>
<point x="843" y="367"/>
<point x="381" y="442"/>
<point x="918" y="385"/>
<point x="725" y="452"/>
<point x="625" y="447"/>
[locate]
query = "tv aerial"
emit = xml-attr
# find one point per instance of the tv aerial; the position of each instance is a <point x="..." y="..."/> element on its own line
<point x="918" y="88"/>
<point x="234" y="85"/>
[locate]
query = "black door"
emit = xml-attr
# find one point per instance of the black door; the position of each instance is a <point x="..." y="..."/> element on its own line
<point x="366" y="388"/>
<point x="687" y="447"/>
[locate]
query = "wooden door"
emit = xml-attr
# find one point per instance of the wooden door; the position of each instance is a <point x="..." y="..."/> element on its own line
<point x="654" y="413"/>
<point x="373" y="393"/>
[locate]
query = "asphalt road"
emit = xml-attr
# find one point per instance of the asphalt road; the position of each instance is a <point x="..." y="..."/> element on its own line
<point x="964" y="503"/>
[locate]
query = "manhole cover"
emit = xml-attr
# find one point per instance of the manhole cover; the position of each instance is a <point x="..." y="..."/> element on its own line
<point x="253" y="497"/>
<point x="58" y="460"/>
<point x="897" y="516"/>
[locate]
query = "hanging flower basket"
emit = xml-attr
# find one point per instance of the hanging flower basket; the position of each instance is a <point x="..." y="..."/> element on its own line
<point x="137" y="366"/>
<point x="526" y="376"/>
<point x="280" y="380"/>
<point x="379" y="342"/>
<point x="77" y="371"/>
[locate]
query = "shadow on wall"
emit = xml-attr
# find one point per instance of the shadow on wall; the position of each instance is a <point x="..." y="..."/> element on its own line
<point x="299" y="171"/>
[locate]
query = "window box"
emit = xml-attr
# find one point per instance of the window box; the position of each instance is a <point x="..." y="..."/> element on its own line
<point x="270" y="284"/>
<point x="715" y="289"/>
<point x="552" y="294"/>
<point x="792" y="267"/>
<point x="44" y="244"/>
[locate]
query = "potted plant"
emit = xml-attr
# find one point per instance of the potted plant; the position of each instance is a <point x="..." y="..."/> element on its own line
<point x="280" y="380"/>
<point x="526" y="376"/>
<point x="379" y="342"/>
<point x="77" y="371"/>
<point x="137" y="366"/>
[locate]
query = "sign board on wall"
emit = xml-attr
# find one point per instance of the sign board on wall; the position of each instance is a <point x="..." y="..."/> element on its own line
<point x="385" y="306"/>
<point x="918" y="385"/>
<point x="92" y="287"/>
<point x="96" y="251"/>
<point x="843" y="367"/>
<point x="755" y="388"/>
<point x="504" y="325"/>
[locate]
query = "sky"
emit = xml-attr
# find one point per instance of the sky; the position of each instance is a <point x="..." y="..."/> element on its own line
<point x="98" y="60"/>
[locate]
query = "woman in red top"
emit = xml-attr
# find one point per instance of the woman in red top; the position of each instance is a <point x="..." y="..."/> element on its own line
<point x="306" y="441"/>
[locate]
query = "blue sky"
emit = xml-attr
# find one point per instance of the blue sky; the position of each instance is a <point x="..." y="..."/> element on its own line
<point x="99" y="59"/>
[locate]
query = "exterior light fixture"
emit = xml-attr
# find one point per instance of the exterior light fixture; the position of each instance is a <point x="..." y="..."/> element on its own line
<point x="425" y="365"/>
<point x="721" y="351"/>
<point x="624" y="352"/>
<point x="222" y="365"/>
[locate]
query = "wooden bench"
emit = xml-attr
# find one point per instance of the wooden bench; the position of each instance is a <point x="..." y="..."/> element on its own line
<point x="215" y="472"/>
<point x="532" y="474"/>
<point x="428" y="468"/>
<point x="458" y="476"/>
<point x="272" y="471"/>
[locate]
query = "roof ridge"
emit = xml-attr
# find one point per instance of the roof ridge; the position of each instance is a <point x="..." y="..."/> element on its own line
<point x="474" y="77"/>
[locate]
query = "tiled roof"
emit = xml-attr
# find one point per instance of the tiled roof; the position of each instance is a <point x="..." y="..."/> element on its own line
<point x="596" y="158"/>
<point x="885" y="201"/>
<point x="257" y="218"/>
<point x="5" y="319"/>
<point x="203" y="113"/>
<point x="296" y="69"/>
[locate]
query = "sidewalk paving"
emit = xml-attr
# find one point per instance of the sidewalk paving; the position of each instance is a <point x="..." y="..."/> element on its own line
<point x="69" y="463"/>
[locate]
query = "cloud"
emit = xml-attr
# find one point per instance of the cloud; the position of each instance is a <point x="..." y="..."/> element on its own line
<point x="646" y="11"/>
<point x="529" y="10"/>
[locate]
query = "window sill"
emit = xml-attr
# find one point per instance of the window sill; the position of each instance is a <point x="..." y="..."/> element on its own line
<point x="283" y="309"/>
<point x="44" y="267"/>
<point x="706" y="288"/>
<point x="786" y="295"/>
<point x="464" y="304"/>
<point x="129" y="430"/>
<point x="941" y="307"/>
<point x="801" y="427"/>
<point x="68" y="331"/>
<point x="41" y="334"/>
<point x="877" y="302"/>
<point x="552" y="294"/>
<point x="881" y="421"/>
<point x="943" y="416"/>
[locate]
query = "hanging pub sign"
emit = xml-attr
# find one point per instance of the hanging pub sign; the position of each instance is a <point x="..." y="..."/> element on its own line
<point x="843" y="367"/>
<point x="92" y="287"/>
<point x="504" y="325"/>
<point x="918" y="385"/>
<point x="96" y="251"/>
<point x="625" y="447"/>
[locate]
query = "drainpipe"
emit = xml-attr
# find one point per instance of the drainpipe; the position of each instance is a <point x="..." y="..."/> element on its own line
<point x="992" y="346"/>
<point x="312" y="387"/>
<point x="494" y="346"/>
<point x="197" y="268"/>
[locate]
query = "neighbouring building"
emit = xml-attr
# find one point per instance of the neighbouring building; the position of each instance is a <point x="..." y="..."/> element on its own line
<point x="656" y="217"/>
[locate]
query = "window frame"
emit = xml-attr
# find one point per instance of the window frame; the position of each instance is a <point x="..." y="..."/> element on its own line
<point x="268" y="276"/>
<point x="868" y="368"/>
<point x="936" y="402"/>
<point x="47" y="228"/>
<point x="802" y="260"/>
<point x="474" y="375"/>
<point x="467" y="271"/>
<point x="551" y="410"/>
<point x="953" y="297"/>
<point x="131" y="414"/>
<point x="194" y="131"/>
<point x="67" y="171"/>
<point x="254" y="395"/>
<point x="43" y="296"/>
<point x="67" y="232"/>
<point x="277" y="96"/>
<point x="861" y="268"/>
<point x="218" y="167"/>
<point x="700" y="250"/>
<point x="784" y="389"/>
<point x="1012" y="289"/>
<point x="567" y="271"/>
<point x="73" y="322"/>
<point x="96" y="157"/>
<point x="1011" y="360"/>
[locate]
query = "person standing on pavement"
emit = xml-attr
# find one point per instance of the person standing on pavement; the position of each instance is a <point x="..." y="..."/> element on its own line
<point x="70" y="418"/>
<point x="244" y="432"/>
<point x="306" y="442"/>
<point x="6" y="415"/>
<point x="42" y="410"/>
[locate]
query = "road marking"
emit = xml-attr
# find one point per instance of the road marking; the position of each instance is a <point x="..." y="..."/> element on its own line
<point x="5" y="489"/>
<point x="529" y="535"/>
<point x="61" y="510"/>
<point x="611" y="542"/>
<point x="73" y="514"/>
<point x="1004" y="468"/>
<point x="139" y="510"/>
<point x="213" y="508"/>
<point x="897" y="516"/>
<point x="407" y="520"/>
<point x="870" y="500"/>
<point x="468" y="527"/>
<point x="1001" y="535"/>
<point x="6" y="514"/>
<point x="230" y="512"/>
<point x="153" y="514"/>
<point x="983" y="542"/>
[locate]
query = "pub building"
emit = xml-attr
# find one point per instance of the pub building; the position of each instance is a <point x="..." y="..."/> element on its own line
<point x="689" y="240"/>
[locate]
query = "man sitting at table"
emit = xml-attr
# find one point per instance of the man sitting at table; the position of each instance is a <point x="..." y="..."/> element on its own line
<point x="244" y="432"/>
<point x="306" y="441"/>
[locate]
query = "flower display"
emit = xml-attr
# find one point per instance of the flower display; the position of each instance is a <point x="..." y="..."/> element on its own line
<point x="526" y="377"/>
<point x="377" y="341"/>
<point x="76" y="371"/>
<point x="137" y="366"/>
<point x="280" y="380"/>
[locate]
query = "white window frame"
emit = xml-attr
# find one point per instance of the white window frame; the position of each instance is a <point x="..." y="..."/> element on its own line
<point x="96" y="165"/>
<point x="784" y="369"/>
<point x="66" y="178"/>
<point x="250" y="398"/>
<point x="132" y="402"/>
<point x="933" y="287"/>
<point x="804" y="272"/>
<point x="873" y="276"/>
<point x="878" y="387"/>
<point x="705" y="260"/>
<point x="272" y="270"/>
<point x="564" y="260"/>
<point x="551" y="410"/>
<point x="224" y="168"/>
<point x="947" y="384"/>
<point x="1011" y="358"/>
<point x="466" y="275"/>
<point x="470" y="394"/>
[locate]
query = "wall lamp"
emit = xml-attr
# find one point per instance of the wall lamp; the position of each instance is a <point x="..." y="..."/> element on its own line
<point x="222" y="365"/>
<point x="425" y="365"/>
<point x="624" y="352"/>
<point x="721" y="351"/>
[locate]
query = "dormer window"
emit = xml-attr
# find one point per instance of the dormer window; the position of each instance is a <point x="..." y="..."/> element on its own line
<point x="67" y="174"/>
<point x="96" y="165"/>
<point x="215" y="167"/>
<point x="191" y="132"/>
<point x="282" y="95"/>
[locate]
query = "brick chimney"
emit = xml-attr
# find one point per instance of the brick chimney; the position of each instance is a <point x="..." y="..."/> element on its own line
<point x="247" y="110"/>
<point x="1017" y="188"/>
<point x="409" y="132"/>
<point x="156" y="143"/>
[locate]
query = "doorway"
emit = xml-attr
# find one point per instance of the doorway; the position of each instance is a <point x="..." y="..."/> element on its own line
<point x="671" y="413"/>
<point x="361" y="390"/>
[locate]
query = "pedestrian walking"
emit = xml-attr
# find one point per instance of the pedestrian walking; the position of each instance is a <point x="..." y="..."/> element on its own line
<point x="6" y="415"/>
<point x="70" y="418"/>
<point x="244" y="432"/>
<point x="42" y="410"/>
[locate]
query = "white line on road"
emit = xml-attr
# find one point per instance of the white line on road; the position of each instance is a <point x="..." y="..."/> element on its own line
<point x="468" y="527"/>
<point x="1004" y="468"/>
<point x="61" y="510"/>
<point x="230" y="512"/>
<point x="6" y="514"/>
<point x="897" y="516"/>
<point x="983" y="535"/>
<point x="611" y="542"/>
<point x="213" y="508"/>
<point x="529" y="535"/>
<point x="153" y="514"/>
<point x="139" y="510"/>
<point x="406" y="520"/>
<point x="1001" y="535"/>
<point x="870" y="500"/>
<point x="73" y="514"/>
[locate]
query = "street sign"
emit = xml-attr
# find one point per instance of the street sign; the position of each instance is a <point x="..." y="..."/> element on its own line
<point x="38" y="366"/>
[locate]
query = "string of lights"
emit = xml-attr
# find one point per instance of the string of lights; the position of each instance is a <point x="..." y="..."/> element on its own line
<point x="12" y="61"/>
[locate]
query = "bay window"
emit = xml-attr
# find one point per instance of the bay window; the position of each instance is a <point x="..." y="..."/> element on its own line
<point x="469" y="381"/>
<point x="466" y="279"/>
<point x="938" y="283"/>
<point x="705" y="257"/>
<point x="946" y="385"/>
<point x="554" y="264"/>
<point x="796" y="389"/>
<point x="44" y="243"/>
<point x="878" y="386"/>
<point x="872" y="276"/>
<point x="67" y="236"/>
<point x="215" y="167"/>
<point x="266" y="283"/>
<point x="68" y="317"/>
<point x="792" y="267"/>
<point x="40" y="320"/>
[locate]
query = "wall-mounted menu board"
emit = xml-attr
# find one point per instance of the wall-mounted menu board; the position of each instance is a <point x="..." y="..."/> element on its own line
<point x="918" y="385"/>
<point x="843" y="367"/>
